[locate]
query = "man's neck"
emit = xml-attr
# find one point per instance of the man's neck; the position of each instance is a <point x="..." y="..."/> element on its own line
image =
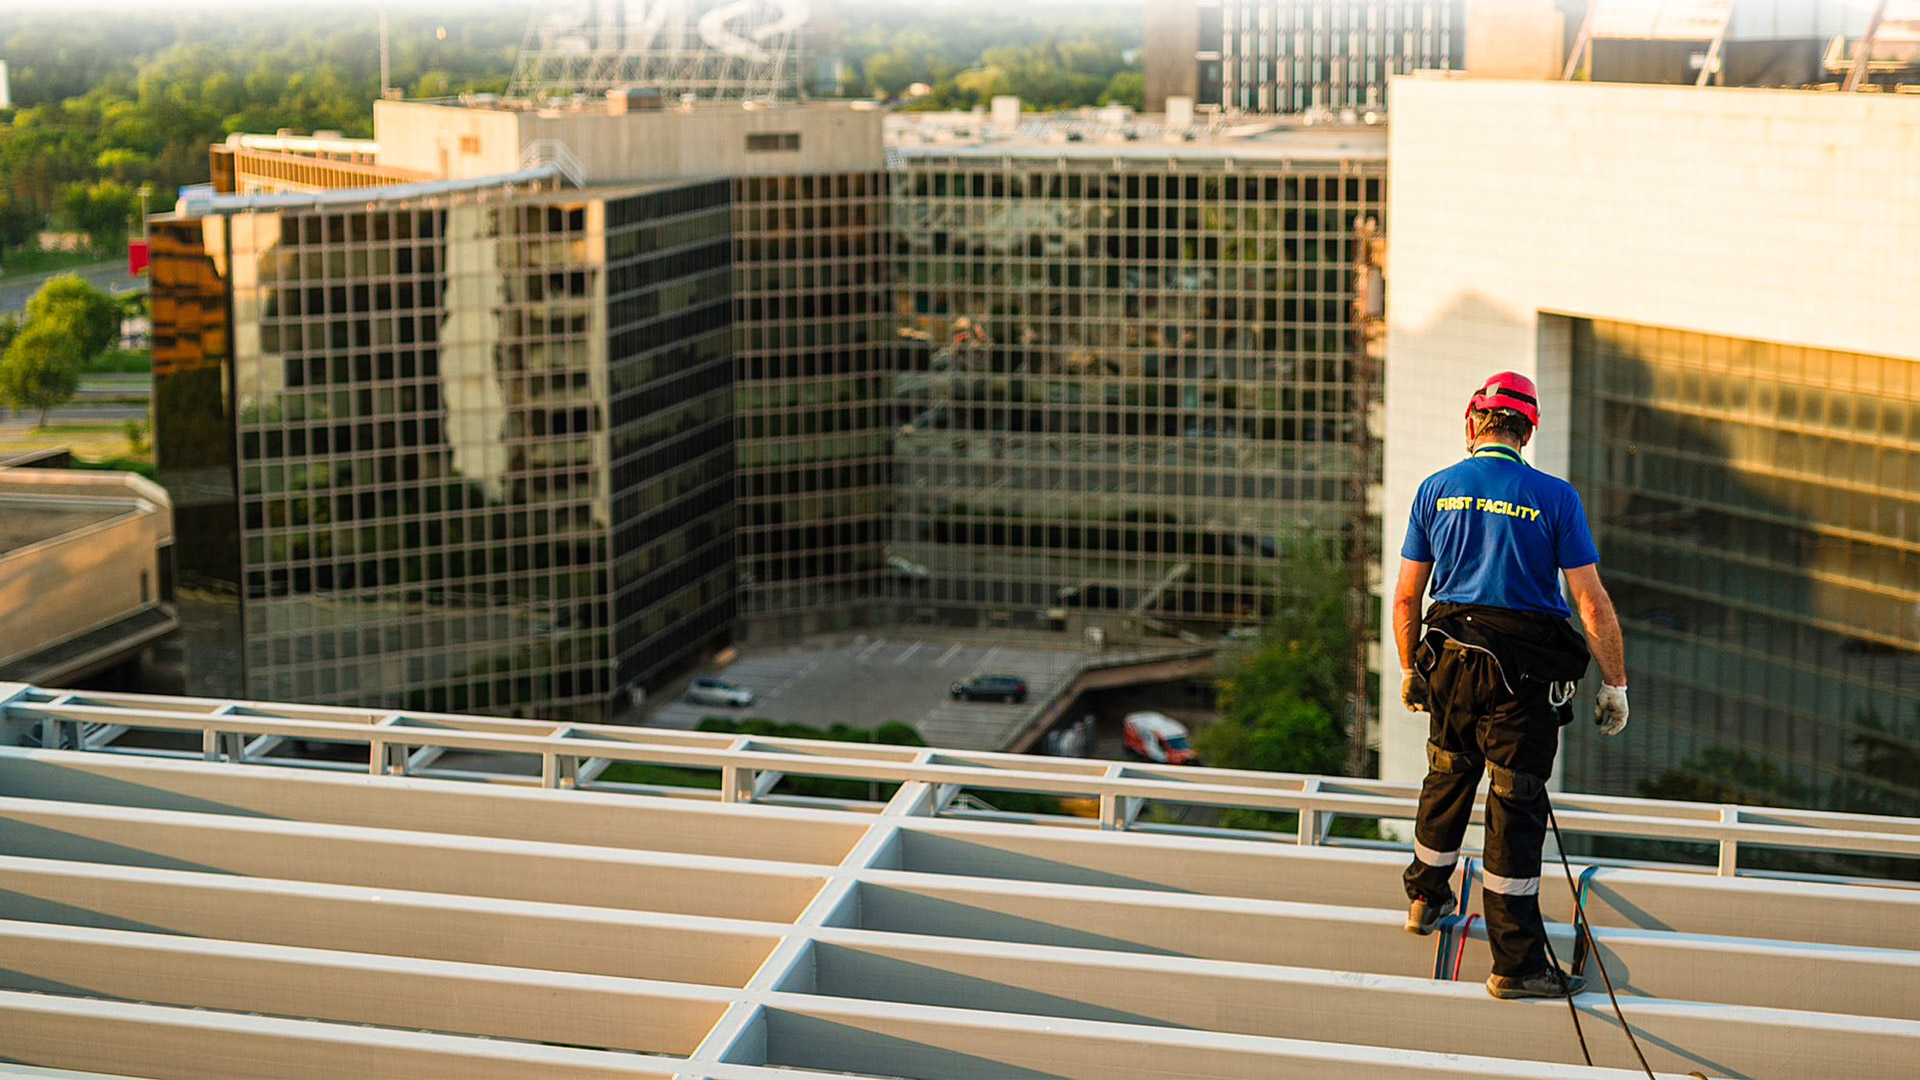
<point x="1493" y="442"/>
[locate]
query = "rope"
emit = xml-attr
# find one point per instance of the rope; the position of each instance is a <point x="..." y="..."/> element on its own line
<point x="1459" y="954"/>
<point x="1582" y="941"/>
<point x="1581" y="923"/>
<point x="1572" y="1010"/>
<point x="1467" y="870"/>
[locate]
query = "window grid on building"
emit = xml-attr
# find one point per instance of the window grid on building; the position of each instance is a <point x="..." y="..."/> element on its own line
<point x="1294" y="56"/>
<point x="1758" y="525"/>
<point x="813" y="347"/>
<point x="1123" y="388"/>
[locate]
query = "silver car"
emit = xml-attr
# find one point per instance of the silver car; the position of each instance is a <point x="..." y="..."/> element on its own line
<point x="712" y="690"/>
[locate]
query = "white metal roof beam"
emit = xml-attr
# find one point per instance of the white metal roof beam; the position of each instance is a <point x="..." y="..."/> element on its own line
<point x="435" y="995"/>
<point x="440" y="806"/>
<point x="1413" y="1013"/>
<point x="921" y="1042"/>
<point x="188" y="1044"/>
<point x="425" y="862"/>
<point x="1688" y="967"/>
<point x="386" y="921"/>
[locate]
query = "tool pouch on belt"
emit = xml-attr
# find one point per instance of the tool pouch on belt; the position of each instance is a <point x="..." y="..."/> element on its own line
<point x="1525" y="645"/>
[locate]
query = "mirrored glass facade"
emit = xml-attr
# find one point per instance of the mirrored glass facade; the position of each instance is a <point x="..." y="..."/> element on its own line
<point x="194" y="446"/>
<point x="813" y="336"/>
<point x="1757" y="508"/>
<point x="481" y="443"/>
<point x="1123" y="386"/>
<point x="1290" y="56"/>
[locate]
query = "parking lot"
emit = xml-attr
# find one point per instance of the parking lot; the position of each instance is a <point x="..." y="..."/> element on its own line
<point x="876" y="680"/>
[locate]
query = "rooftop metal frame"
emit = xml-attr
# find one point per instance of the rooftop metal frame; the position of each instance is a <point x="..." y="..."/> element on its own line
<point x="221" y="912"/>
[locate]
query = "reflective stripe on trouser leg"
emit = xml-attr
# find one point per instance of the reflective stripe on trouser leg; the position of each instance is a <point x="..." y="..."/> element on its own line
<point x="1446" y="804"/>
<point x="1510" y="886"/>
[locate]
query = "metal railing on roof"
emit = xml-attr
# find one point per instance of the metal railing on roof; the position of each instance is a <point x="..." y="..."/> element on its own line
<point x="571" y="755"/>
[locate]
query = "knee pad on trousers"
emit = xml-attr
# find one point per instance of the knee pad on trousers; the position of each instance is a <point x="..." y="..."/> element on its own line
<point x="1516" y="785"/>
<point x="1449" y="762"/>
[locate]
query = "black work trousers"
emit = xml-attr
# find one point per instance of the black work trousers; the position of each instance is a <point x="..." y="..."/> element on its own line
<point x="1479" y="722"/>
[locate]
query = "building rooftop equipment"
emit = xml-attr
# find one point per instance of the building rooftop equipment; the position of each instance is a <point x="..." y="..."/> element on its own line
<point x="217" y="910"/>
<point x="1110" y="133"/>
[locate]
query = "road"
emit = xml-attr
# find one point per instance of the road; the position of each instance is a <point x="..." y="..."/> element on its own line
<point x="111" y="276"/>
<point x="875" y="680"/>
<point x="13" y="422"/>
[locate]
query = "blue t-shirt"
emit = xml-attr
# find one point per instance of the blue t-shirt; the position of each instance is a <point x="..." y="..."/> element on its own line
<point x="1498" y="532"/>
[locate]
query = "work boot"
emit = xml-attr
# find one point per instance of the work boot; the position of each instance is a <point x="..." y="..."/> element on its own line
<point x="1548" y="982"/>
<point x="1422" y="916"/>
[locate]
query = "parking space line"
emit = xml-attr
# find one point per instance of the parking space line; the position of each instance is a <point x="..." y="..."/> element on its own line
<point x="946" y="656"/>
<point x="909" y="651"/>
<point x="868" y="652"/>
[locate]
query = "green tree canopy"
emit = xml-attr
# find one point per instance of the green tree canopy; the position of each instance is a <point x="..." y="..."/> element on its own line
<point x="41" y="369"/>
<point x="87" y="314"/>
<point x="1284" y="697"/>
<point x="103" y="210"/>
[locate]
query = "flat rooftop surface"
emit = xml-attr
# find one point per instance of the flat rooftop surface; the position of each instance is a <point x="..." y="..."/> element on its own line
<point x="1108" y="134"/>
<point x="184" y="917"/>
<point x="31" y="521"/>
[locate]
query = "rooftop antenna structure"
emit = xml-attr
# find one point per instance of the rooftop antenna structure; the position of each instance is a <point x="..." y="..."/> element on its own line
<point x="722" y="50"/>
<point x="386" y="55"/>
<point x="1654" y="20"/>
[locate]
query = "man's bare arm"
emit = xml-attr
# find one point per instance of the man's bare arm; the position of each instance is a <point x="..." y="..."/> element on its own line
<point x="1603" y="626"/>
<point x="1407" y="594"/>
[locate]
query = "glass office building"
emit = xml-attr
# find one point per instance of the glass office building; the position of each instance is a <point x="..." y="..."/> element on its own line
<point x="474" y="449"/>
<point x="814" y="342"/>
<point x="1757" y="508"/>
<point x="1126" y="378"/>
<point x="1292" y="56"/>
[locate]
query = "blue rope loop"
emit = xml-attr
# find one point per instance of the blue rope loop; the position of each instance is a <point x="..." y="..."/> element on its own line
<point x="1582" y="941"/>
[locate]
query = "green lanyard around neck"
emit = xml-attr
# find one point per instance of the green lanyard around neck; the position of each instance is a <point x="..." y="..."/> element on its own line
<point x="1497" y="450"/>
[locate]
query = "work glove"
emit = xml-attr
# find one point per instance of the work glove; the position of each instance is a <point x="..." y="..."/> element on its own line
<point x="1610" y="709"/>
<point x="1413" y="690"/>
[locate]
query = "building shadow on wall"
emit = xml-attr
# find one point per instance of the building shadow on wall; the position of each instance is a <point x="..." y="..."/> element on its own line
<point x="1760" y="676"/>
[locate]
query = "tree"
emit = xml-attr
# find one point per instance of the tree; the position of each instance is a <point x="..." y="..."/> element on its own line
<point x="101" y="210"/>
<point x="1721" y="774"/>
<point x="87" y="314"/>
<point x="41" y="369"/>
<point x="1283" y="698"/>
<point x="1126" y="88"/>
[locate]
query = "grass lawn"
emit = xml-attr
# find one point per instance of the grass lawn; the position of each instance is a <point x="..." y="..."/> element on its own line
<point x="24" y="261"/>
<point x="101" y="444"/>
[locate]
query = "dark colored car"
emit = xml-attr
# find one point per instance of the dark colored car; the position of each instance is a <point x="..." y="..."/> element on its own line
<point x="991" y="688"/>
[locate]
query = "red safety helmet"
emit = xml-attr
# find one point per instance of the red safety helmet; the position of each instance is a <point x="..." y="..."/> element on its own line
<point x="1508" y="390"/>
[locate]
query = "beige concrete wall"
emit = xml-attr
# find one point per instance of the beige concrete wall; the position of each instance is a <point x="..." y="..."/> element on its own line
<point x="64" y="586"/>
<point x="1769" y="214"/>
<point x="447" y="141"/>
<point x="1173" y="36"/>
<point x="709" y="140"/>
<point x="1515" y="39"/>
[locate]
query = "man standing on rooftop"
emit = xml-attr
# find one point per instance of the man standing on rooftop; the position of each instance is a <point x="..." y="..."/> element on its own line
<point x="1496" y="668"/>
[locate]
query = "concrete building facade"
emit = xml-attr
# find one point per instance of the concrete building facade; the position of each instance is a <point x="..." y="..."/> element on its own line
<point x="1742" y="424"/>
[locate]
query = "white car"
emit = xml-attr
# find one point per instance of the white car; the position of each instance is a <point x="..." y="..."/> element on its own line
<point x="712" y="690"/>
